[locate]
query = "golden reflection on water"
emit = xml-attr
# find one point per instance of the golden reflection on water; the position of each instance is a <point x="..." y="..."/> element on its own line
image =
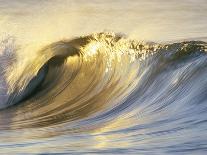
<point x="60" y="117"/>
<point x="78" y="100"/>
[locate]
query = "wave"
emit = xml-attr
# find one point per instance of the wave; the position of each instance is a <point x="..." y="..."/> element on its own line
<point x="116" y="93"/>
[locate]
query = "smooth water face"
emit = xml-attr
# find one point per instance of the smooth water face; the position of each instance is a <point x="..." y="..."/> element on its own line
<point x="67" y="88"/>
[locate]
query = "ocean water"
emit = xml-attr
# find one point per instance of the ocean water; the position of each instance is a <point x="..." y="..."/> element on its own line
<point x="103" y="77"/>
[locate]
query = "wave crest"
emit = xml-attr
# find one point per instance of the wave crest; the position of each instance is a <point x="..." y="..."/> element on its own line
<point x="106" y="84"/>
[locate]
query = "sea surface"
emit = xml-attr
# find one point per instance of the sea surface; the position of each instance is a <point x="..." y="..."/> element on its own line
<point x="103" y="77"/>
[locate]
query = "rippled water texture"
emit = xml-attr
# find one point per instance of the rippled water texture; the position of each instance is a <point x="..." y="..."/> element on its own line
<point x="64" y="88"/>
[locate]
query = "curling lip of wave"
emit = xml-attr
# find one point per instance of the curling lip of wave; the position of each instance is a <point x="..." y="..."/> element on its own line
<point x="21" y="85"/>
<point x="34" y="73"/>
<point x="84" y="70"/>
<point x="61" y="50"/>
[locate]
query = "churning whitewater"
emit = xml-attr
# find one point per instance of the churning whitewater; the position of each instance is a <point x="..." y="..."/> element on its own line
<point x="105" y="93"/>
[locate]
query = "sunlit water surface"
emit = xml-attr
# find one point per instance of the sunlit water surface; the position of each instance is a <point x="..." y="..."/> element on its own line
<point x="139" y="87"/>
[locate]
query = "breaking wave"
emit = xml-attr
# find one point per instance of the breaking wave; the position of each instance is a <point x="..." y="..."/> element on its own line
<point x="104" y="93"/>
